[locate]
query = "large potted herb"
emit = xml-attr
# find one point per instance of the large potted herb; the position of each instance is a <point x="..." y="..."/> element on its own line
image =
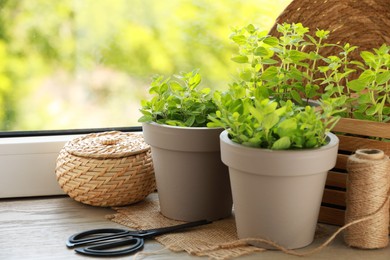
<point x="277" y="146"/>
<point x="192" y="181"/>
<point x="365" y="85"/>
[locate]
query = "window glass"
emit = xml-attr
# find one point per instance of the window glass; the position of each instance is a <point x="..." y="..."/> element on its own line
<point x="87" y="63"/>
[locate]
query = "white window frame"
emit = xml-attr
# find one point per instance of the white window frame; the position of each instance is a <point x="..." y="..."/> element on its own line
<point x="27" y="163"/>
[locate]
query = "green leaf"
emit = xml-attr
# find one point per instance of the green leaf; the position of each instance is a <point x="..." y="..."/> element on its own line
<point x="261" y="51"/>
<point x="175" y="86"/>
<point x="269" y="61"/>
<point x="190" y="121"/>
<point x="205" y="91"/>
<point x="287" y="127"/>
<point x="194" y="80"/>
<point x="382" y="78"/>
<point x="364" y="98"/>
<point x="261" y="92"/>
<point x="368" y="57"/>
<point x="250" y="28"/>
<point x="386" y="111"/>
<point x="240" y="59"/>
<point x="271" y="41"/>
<point x="256" y="113"/>
<point x="145" y="118"/>
<point x="297" y="56"/>
<point x="296" y="74"/>
<point x="322" y="34"/>
<point x="246" y="75"/>
<point x="295" y="95"/>
<point x="154" y="90"/>
<point x="239" y="39"/>
<point x="367" y="75"/>
<point x="270" y="120"/>
<point x="357" y="84"/>
<point x="311" y="90"/>
<point x="372" y="110"/>
<point x="362" y="107"/>
<point x="311" y="38"/>
<point x="270" y="73"/>
<point x="266" y="106"/>
<point x="282" y="143"/>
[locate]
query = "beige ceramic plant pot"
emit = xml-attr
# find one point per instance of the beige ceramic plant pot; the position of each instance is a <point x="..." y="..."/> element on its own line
<point x="192" y="181"/>
<point x="277" y="194"/>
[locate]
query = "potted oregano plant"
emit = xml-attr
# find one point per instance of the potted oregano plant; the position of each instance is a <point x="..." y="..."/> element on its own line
<point x="192" y="181"/>
<point x="365" y="85"/>
<point x="278" y="146"/>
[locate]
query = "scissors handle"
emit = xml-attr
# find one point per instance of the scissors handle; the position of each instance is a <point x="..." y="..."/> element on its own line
<point x="106" y="249"/>
<point x="95" y="235"/>
<point x="105" y="241"/>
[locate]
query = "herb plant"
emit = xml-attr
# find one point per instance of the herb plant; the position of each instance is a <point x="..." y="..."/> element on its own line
<point x="268" y="106"/>
<point x="368" y="96"/>
<point x="178" y="101"/>
<point x="265" y="123"/>
<point x="372" y="88"/>
<point x="285" y="68"/>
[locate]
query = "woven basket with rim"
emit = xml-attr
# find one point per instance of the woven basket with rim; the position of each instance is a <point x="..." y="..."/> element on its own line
<point x="363" y="23"/>
<point x="106" y="169"/>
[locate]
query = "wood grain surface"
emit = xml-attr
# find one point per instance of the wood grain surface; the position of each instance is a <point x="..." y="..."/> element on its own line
<point x="37" y="228"/>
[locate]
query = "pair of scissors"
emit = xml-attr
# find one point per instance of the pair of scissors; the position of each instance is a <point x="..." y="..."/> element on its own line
<point x="104" y="241"/>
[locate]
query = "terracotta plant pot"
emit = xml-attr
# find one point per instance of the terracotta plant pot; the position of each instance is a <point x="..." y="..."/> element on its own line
<point x="277" y="194"/>
<point x="192" y="181"/>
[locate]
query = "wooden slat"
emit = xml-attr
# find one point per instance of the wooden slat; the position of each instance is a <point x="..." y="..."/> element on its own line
<point x="331" y="216"/>
<point x="336" y="179"/>
<point x="351" y="144"/>
<point x="341" y="162"/>
<point x="331" y="213"/>
<point x="363" y="127"/>
<point x="334" y="197"/>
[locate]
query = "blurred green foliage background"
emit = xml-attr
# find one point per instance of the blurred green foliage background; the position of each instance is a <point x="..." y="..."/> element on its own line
<point x="87" y="63"/>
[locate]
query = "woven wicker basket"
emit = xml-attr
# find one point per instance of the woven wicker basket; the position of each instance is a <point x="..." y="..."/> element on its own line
<point x="106" y="169"/>
<point x="363" y="23"/>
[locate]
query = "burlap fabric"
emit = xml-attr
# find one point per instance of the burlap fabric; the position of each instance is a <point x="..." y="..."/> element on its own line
<point x="205" y="240"/>
<point x="217" y="240"/>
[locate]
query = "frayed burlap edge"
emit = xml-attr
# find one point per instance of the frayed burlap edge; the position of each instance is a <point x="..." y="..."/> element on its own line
<point x="212" y="240"/>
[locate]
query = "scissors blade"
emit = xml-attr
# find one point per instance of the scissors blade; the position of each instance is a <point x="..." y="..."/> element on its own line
<point x="160" y="231"/>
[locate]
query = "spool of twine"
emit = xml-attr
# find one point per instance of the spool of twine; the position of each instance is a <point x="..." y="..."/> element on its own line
<point x="367" y="194"/>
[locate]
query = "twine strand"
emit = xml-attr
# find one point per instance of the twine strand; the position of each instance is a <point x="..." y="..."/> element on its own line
<point x="248" y="241"/>
<point x="367" y="215"/>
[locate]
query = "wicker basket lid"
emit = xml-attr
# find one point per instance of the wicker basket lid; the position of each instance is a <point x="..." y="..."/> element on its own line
<point x="107" y="145"/>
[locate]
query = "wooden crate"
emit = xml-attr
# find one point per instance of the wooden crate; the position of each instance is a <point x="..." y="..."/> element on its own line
<point x="353" y="135"/>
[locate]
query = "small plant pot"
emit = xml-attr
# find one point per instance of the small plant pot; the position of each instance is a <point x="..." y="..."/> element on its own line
<point x="277" y="194"/>
<point x="192" y="181"/>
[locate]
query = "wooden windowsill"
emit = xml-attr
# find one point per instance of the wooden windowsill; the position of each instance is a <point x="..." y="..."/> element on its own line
<point x="37" y="228"/>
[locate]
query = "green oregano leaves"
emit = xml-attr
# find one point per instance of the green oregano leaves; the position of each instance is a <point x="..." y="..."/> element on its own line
<point x="270" y="103"/>
<point x="178" y="101"/>
<point x="267" y="106"/>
